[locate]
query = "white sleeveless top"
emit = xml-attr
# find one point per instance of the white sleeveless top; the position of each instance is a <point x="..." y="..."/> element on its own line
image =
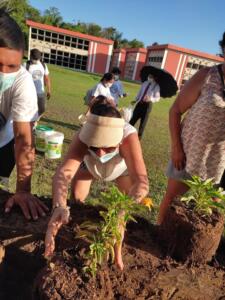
<point x="112" y="169"/>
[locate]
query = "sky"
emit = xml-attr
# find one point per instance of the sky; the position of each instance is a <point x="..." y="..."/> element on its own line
<point x="193" y="24"/>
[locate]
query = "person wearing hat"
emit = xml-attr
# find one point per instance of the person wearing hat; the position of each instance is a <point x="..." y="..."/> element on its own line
<point x="117" y="87"/>
<point x="40" y="74"/>
<point x="106" y="148"/>
<point x="18" y="112"/>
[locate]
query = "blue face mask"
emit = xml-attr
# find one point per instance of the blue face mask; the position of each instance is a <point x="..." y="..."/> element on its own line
<point x="104" y="158"/>
<point x="6" y="81"/>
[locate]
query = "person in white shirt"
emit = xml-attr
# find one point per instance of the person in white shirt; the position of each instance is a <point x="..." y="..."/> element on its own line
<point x="18" y="111"/>
<point x="103" y="88"/>
<point x="149" y="93"/>
<point x="117" y="88"/>
<point x="40" y="75"/>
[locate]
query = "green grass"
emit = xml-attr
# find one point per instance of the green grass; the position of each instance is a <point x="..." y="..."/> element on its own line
<point x="66" y="104"/>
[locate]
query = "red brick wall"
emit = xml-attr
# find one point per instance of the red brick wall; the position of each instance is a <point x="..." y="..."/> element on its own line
<point x="101" y="58"/>
<point x="141" y="63"/>
<point x="172" y="61"/>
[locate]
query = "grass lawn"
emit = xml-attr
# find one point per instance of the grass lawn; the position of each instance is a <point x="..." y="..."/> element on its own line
<point x="66" y="104"/>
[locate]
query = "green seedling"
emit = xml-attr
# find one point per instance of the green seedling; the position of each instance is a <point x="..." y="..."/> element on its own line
<point x="203" y="196"/>
<point x="104" y="235"/>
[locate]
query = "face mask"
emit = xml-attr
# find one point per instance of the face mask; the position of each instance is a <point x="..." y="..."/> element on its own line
<point x="150" y="79"/>
<point x="116" y="77"/>
<point x="104" y="158"/>
<point x="6" y="80"/>
<point x="34" y="61"/>
<point x="108" y="85"/>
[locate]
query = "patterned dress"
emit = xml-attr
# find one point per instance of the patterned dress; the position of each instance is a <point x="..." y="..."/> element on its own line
<point x="203" y="131"/>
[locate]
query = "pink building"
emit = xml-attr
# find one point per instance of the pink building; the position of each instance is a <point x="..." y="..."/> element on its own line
<point x="182" y="63"/>
<point x="130" y="61"/>
<point x="70" y="49"/>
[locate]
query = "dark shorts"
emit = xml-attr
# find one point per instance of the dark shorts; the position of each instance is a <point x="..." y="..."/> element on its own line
<point x="7" y="159"/>
<point x="41" y="104"/>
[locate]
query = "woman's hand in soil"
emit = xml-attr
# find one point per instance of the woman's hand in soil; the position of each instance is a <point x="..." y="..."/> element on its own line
<point x="59" y="217"/>
<point x="30" y="205"/>
<point x="178" y="158"/>
<point x="118" y="245"/>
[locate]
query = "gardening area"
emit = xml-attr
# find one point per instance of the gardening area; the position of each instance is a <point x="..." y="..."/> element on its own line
<point x="182" y="259"/>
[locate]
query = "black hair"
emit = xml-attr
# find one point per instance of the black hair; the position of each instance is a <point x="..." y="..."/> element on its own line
<point x="102" y="107"/>
<point x="222" y="43"/>
<point x="107" y="77"/>
<point x="35" y="54"/>
<point x="11" y="35"/>
<point x="116" y="71"/>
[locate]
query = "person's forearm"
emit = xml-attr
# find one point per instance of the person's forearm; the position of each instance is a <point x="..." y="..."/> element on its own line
<point x="48" y="85"/>
<point x="25" y="155"/>
<point x="175" y="129"/>
<point x="140" y="188"/>
<point x="61" y="181"/>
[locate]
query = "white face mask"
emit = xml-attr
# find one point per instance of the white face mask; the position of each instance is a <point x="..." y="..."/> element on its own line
<point x="108" y="85"/>
<point x="151" y="80"/>
<point x="116" y="77"/>
<point x="34" y="61"/>
<point x="7" y="80"/>
<point x="104" y="158"/>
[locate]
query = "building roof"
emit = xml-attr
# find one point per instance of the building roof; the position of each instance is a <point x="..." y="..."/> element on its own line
<point x="141" y="50"/>
<point x="69" y="32"/>
<point x="187" y="51"/>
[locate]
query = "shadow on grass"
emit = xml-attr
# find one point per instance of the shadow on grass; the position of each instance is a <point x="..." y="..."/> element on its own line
<point x="60" y="123"/>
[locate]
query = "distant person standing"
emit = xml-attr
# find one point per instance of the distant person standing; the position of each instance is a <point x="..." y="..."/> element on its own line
<point x="117" y="88"/>
<point x="149" y="93"/>
<point x="39" y="71"/>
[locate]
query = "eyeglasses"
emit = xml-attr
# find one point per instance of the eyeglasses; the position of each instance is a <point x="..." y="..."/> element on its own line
<point x="106" y="150"/>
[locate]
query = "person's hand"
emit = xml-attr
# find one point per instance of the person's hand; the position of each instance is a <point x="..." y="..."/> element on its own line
<point x="30" y="205"/>
<point x="118" y="246"/>
<point x="48" y="95"/>
<point x="59" y="217"/>
<point x="146" y="98"/>
<point x="178" y="158"/>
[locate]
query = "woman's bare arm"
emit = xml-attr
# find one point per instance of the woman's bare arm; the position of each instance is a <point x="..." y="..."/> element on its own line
<point x="131" y="151"/>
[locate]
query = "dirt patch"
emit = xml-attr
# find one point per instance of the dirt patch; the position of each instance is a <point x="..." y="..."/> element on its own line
<point x="188" y="236"/>
<point x="147" y="274"/>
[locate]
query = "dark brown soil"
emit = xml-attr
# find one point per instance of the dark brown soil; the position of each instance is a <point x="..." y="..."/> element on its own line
<point x="189" y="236"/>
<point x="147" y="275"/>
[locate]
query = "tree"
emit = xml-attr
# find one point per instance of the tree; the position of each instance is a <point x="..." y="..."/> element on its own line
<point x="94" y="29"/>
<point x="20" y="10"/>
<point x="52" y="17"/>
<point x="33" y="14"/>
<point x="112" y="34"/>
<point x="136" y="44"/>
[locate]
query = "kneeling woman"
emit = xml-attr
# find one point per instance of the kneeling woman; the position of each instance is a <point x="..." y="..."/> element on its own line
<point x="106" y="148"/>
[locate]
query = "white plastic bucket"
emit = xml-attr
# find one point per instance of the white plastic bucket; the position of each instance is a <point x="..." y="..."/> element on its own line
<point x="54" y="144"/>
<point x="41" y="132"/>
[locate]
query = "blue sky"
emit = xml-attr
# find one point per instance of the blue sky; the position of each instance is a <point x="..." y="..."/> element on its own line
<point x="193" y="24"/>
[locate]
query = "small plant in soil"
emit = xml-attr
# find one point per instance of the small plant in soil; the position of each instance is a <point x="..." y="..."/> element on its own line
<point x="104" y="235"/>
<point x="203" y="197"/>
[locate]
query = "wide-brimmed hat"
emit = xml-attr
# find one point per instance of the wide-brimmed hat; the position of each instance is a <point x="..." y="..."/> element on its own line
<point x="102" y="132"/>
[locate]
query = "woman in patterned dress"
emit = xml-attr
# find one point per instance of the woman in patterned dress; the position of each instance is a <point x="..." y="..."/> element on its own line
<point x="197" y="139"/>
